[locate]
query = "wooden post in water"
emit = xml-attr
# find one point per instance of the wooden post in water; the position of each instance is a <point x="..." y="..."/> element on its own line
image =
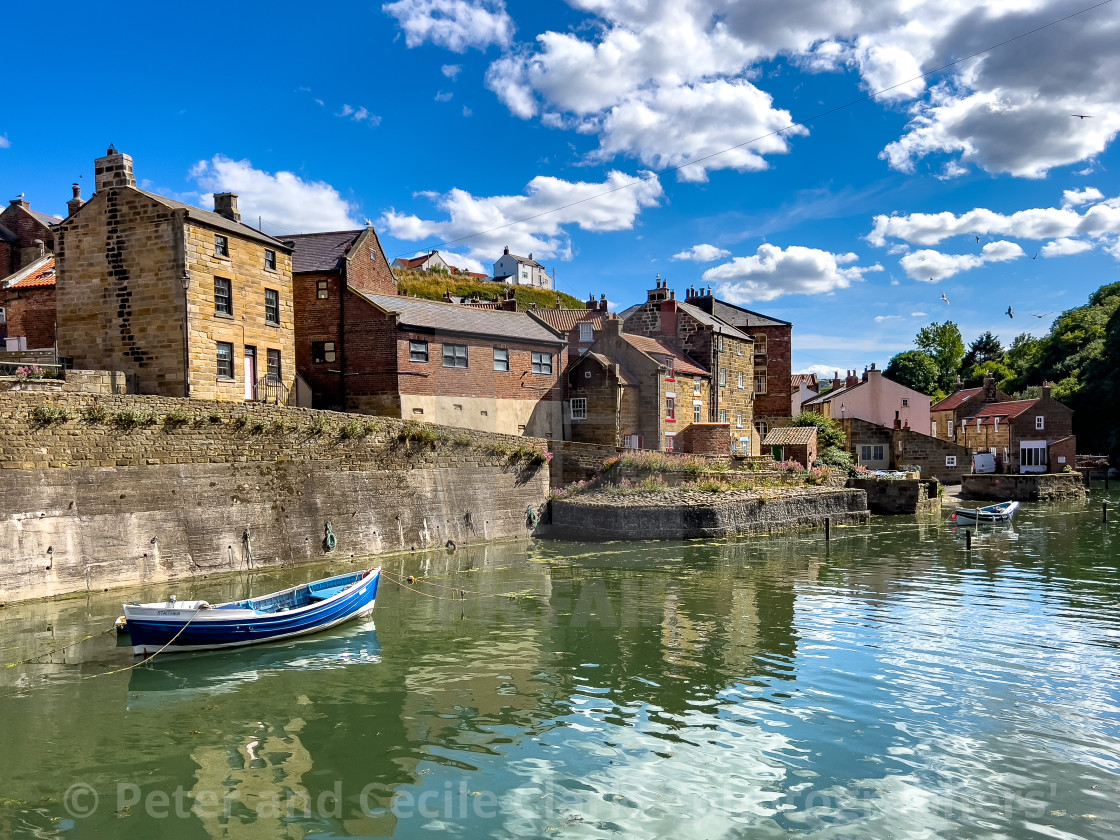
<point x="827" y="528"/>
<point x="1104" y="511"/>
<point x="967" y="540"/>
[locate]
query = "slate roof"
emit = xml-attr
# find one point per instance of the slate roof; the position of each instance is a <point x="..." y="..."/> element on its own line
<point x="737" y="316"/>
<point x="657" y="347"/>
<point x="1002" y="410"/>
<point x="830" y="395"/>
<point x="718" y="326"/>
<point x="38" y="271"/>
<point x="565" y="320"/>
<point x="791" y="436"/>
<point x="524" y="260"/>
<point x="454" y="318"/>
<point x="321" y="252"/>
<point x="955" y="399"/>
<point x="7" y="236"/>
<point x="216" y="220"/>
<point x="44" y="218"/>
<point x="623" y="375"/>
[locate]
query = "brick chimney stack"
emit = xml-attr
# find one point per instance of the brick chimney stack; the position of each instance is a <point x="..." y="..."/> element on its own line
<point x="990" y="395"/>
<point x="113" y="170"/>
<point x="603" y="303"/>
<point x="74" y="204"/>
<point x="225" y="204"/>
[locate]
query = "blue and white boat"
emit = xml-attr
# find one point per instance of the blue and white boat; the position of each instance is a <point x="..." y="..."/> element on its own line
<point x="174" y="626"/>
<point x="992" y="513"/>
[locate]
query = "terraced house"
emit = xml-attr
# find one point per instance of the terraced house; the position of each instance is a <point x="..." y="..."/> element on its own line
<point x="193" y="302"/>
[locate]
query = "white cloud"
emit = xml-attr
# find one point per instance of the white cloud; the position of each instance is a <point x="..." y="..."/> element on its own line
<point x="881" y="318"/>
<point x="823" y="371"/>
<point x="702" y="253"/>
<point x="283" y="199"/>
<point x="607" y="206"/>
<point x="444" y="96"/>
<point x="917" y="314"/>
<point x="773" y="272"/>
<point x="451" y="71"/>
<point x="1085" y="196"/>
<point x="457" y="25"/>
<point x="5" y="143"/>
<point x="1065" y="247"/>
<point x="930" y="266"/>
<point x="359" y="114"/>
<point x="467" y="112"/>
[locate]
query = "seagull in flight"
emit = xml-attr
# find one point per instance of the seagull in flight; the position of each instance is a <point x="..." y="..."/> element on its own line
<point x="1082" y="116"/>
<point x="1035" y="257"/>
<point x="977" y="238"/>
<point x="944" y="298"/>
<point x="1010" y="313"/>
<point x="1043" y="315"/>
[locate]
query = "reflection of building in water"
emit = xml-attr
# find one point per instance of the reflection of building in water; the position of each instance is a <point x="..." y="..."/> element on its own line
<point x="254" y="790"/>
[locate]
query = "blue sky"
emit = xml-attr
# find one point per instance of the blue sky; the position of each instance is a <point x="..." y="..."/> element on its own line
<point x="594" y="134"/>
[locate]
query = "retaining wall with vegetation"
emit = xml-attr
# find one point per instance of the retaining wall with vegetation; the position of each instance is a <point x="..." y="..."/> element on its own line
<point x="892" y="496"/>
<point x="1039" y="487"/>
<point x="102" y="491"/>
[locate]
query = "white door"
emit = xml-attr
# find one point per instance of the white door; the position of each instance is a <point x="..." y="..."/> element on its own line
<point x="250" y="373"/>
<point x="1033" y="456"/>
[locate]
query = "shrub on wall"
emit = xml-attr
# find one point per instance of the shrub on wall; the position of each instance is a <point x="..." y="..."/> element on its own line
<point x="49" y="413"/>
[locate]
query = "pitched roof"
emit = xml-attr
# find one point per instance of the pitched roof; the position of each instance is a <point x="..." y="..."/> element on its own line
<point x="718" y="326"/>
<point x="623" y="375"/>
<point x="739" y="317"/>
<point x="44" y="218"/>
<point x="791" y="436"/>
<point x="217" y="220"/>
<point x="36" y="272"/>
<point x="1003" y="410"/>
<point x="657" y="347"/>
<point x="412" y="262"/>
<point x="7" y="236"/>
<point x="565" y="320"/>
<point x="799" y="379"/>
<point x="468" y="320"/>
<point x="955" y="399"/>
<point x="828" y="396"/>
<point x="321" y="251"/>
<point x="525" y="260"/>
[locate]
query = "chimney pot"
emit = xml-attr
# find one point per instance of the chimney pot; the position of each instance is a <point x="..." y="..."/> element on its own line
<point x="225" y="204"/>
<point x="113" y="170"/>
<point x="75" y="203"/>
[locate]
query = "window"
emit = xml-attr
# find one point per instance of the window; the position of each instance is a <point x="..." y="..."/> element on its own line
<point x="671" y="409"/>
<point x="760" y="344"/>
<point x="722" y="345"/>
<point x="1039" y="422"/>
<point x="950" y="460"/>
<point x="542" y="363"/>
<point x="221" y="245"/>
<point x="933" y="428"/>
<point x="586" y="333"/>
<point x="950" y="427"/>
<point x="225" y="360"/>
<point x="501" y="358"/>
<point x="723" y="415"/>
<point x="865" y="453"/>
<point x="418" y="351"/>
<point x="697" y="411"/>
<point x="274" y="365"/>
<point x="739" y="420"/>
<point x="271" y="306"/>
<point x="761" y="427"/>
<point x="905" y="402"/>
<point x="670" y="442"/>
<point x="223" y="296"/>
<point x="579" y="408"/>
<point x="322" y="292"/>
<point x="697" y="387"/>
<point x="738" y="348"/>
<point x="322" y="351"/>
<point x="632" y="442"/>
<point x="455" y="355"/>
<point x="723" y="376"/>
<point x="996" y="424"/>
<point x="740" y="380"/>
<point x="760" y="383"/>
<point x="269" y="259"/>
<point x="877" y="453"/>
<point x="670" y="368"/>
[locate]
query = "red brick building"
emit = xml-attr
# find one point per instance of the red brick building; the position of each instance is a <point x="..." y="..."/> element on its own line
<point x="28" y="301"/>
<point x="26" y="235"/>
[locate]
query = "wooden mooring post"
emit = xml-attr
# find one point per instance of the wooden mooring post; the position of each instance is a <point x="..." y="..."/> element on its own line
<point x="827" y="528"/>
<point x="967" y="540"/>
<point x="1104" y="511"/>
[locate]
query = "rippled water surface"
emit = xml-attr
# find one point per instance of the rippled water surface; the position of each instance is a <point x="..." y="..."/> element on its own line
<point x="889" y="684"/>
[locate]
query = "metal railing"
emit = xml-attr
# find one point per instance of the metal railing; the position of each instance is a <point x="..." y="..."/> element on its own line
<point x="269" y="389"/>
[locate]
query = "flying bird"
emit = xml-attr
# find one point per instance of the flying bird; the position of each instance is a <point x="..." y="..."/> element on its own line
<point x="1010" y="312"/>
<point x="977" y="238"/>
<point x="1035" y="257"/>
<point x="943" y="297"/>
<point x="1082" y="116"/>
<point x="1043" y="315"/>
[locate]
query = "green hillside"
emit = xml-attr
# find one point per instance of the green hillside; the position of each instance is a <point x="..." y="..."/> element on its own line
<point x="432" y="285"/>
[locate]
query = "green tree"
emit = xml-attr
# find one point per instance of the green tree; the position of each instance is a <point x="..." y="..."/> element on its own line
<point x="914" y="369"/>
<point x="986" y="348"/>
<point x="945" y="346"/>
<point x="1022" y="357"/>
<point x="829" y="432"/>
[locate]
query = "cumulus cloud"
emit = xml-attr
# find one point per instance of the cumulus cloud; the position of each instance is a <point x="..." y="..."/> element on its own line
<point x="702" y="253"/>
<point x="611" y="205"/>
<point x="451" y="71"/>
<point x="457" y="25"/>
<point x="284" y="200"/>
<point x="5" y="143"/>
<point x="1065" y="247"/>
<point x="1098" y="223"/>
<point x="931" y="266"/>
<point x="359" y="114"/>
<point x="774" y="271"/>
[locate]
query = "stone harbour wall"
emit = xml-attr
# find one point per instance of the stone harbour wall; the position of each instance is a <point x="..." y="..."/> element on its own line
<point x="1039" y="487"/>
<point x="684" y="515"/>
<point x="890" y="496"/>
<point x="104" y="491"/>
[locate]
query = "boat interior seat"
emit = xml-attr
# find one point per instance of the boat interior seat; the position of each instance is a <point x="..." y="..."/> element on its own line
<point x="323" y="594"/>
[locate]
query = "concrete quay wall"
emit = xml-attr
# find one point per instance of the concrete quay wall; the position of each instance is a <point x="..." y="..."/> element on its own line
<point x="125" y="490"/>
<point x="693" y="515"/>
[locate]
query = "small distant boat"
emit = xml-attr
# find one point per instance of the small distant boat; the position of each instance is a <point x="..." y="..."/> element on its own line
<point x="1001" y="512"/>
<point x="174" y="626"/>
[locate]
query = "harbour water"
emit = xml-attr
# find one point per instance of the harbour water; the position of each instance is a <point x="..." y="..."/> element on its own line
<point x="889" y="683"/>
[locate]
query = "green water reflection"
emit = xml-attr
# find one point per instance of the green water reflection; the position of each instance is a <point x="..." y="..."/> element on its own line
<point x="888" y="684"/>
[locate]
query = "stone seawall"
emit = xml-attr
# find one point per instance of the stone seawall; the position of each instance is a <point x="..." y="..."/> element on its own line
<point x="684" y="515"/>
<point x="891" y="496"/>
<point x="1039" y="487"/>
<point x="119" y="490"/>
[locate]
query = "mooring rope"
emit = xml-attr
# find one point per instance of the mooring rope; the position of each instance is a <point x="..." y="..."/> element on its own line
<point x="55" y="650"/>
<point x="170" y="642"/>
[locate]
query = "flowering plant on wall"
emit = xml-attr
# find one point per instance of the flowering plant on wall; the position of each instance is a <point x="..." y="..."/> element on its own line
<point x="30" y="372"/>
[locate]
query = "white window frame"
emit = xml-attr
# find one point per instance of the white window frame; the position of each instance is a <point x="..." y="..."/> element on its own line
<point x="697" y="385"/>
<point x="723" y="415"/>
<point x="739" y="420"/>
<point x="697" y="411"/>
<point x="760" y="344"/>
<point x="762" y="427"/>
<point x="905" y="402"/>
<point x="671" y="407"/>
<point x="586" y="333"/>
<point x="1039" y="422"/>
<point x="865" y="452"/>
<point x="723" y="376"/>
<point x="740" y="380"/>
<point x="579" y="408"/>
<point x="670" y="441"/>
<point x="760" y="383"/>
<point x="878" y="452"/>
<point x="933" y="428"/>
<point x="950" y="460"/>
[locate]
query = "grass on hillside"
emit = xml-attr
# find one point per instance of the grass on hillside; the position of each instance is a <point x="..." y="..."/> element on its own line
<point x="431" y="285"/>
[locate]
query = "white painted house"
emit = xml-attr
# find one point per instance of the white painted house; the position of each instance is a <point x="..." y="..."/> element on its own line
<point x="521" y="271"/>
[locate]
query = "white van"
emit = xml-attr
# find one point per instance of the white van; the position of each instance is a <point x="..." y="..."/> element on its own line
<point x="984" y="462"/>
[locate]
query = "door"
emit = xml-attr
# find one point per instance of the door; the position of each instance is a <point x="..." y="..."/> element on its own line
<point x="1033" y="456"/>
<point x="250" y="372"/>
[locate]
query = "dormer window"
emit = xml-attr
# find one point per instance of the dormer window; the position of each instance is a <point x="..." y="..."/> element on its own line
<point x="586" y="333"/>
<point x="669" y="367"/>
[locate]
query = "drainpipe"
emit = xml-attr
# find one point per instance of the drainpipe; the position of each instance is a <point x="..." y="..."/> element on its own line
<point x="343" y="286"/>
<point x="179" y="232"/>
